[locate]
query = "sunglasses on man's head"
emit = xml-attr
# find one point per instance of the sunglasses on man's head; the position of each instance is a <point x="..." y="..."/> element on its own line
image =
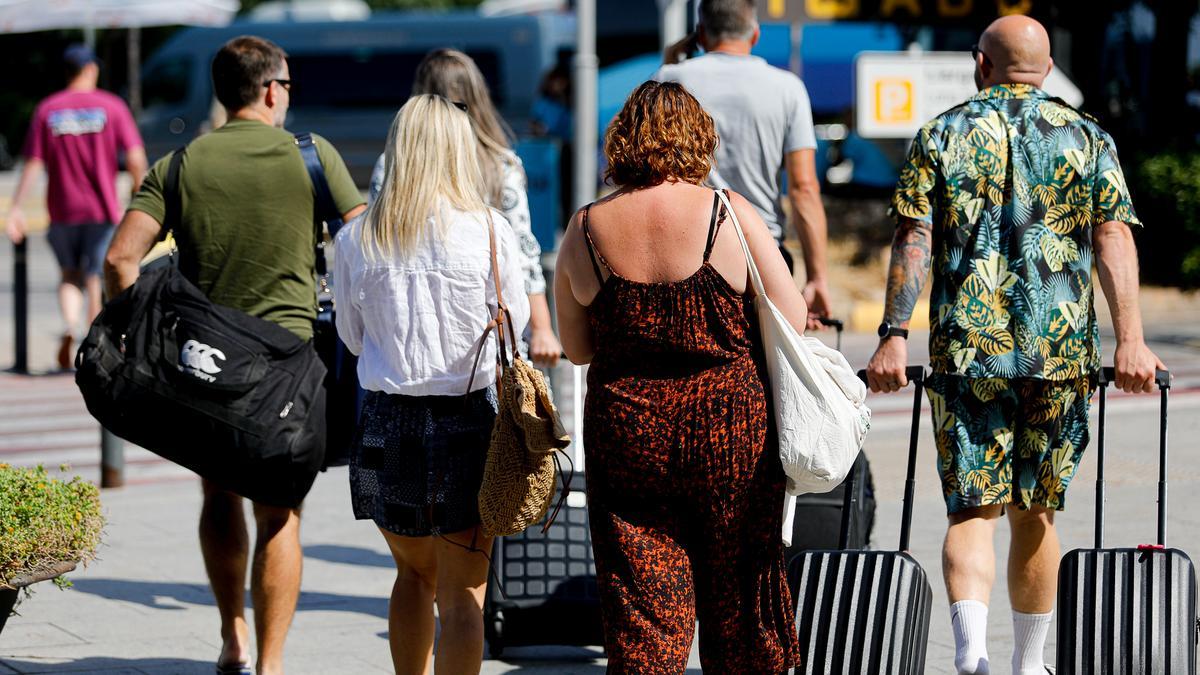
<point x="976" y="51"/>
<point x="460" y="105"/>
<point x="286" y="84"/>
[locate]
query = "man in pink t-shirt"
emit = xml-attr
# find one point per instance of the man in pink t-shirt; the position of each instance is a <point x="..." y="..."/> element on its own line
<point x="76" y="136"/>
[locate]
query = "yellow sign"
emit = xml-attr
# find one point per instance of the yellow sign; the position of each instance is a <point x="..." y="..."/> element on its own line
<point x="931" y="12"/>
<point x="827" y="9"/>
<point x="954" y="8"/>
<point x="894" y="100"/>
<point x="912" y="7"/>
<point x="1007" y="7"/>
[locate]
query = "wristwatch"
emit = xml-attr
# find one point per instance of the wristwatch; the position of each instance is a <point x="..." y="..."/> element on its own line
<point x="887" y="330"/>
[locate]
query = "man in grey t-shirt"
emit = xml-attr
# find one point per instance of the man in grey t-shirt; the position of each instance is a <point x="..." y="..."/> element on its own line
<point x="764" y="121"/>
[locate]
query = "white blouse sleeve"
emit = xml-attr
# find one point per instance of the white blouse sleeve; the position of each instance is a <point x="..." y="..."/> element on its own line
<point x="347" y="313"/>
<point x="514" y="204"/>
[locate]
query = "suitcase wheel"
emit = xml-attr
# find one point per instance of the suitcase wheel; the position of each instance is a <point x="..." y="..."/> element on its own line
<point x="496" y="639"/>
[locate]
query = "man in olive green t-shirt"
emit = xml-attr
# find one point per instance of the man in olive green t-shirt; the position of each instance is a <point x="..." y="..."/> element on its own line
<point x="245" y="238"/>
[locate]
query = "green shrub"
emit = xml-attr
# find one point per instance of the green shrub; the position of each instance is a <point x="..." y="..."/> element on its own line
<point x="1167" y="200"/>
<point x="44" y="520"/>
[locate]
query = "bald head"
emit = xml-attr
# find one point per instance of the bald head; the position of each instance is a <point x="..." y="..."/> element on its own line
<point x="1014" y="49"/>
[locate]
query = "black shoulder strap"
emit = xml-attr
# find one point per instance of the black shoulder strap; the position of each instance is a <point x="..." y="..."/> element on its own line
<point x="714" y="226"/>
<point x="324" y="208"/>
<point x="171" y="201"/>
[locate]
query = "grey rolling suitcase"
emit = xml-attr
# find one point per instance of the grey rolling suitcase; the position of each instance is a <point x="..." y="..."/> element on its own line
<point x="1128" y="611"/>
<point x="543" y="589"/>
<point x="865" y="611"/>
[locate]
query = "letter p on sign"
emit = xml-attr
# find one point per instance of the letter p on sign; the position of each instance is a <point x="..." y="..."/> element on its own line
<point x="893" y="100"/>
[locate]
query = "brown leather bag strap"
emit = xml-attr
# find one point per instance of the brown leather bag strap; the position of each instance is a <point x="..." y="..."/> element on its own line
<point x="479" y="354"/>
<point x="502" y="317"/>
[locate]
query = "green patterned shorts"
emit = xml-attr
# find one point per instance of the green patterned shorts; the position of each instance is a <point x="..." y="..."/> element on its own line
<point x="1005" y="441"/>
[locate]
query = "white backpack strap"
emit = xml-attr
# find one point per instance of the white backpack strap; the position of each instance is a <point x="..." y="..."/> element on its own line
<point x="755" y="277"/>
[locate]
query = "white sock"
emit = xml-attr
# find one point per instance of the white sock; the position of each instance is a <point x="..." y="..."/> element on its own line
<point x="969" y="620"/>
<point x="1029" y="638"/>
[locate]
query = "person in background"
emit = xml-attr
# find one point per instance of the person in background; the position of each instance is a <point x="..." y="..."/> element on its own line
<point x="76" y="137"/>
<point x="452" y="74"/>
<point x="245" y="238"/>
<point x="764" y="119"/>
<point x="427" y="418"/>
<point x="684" y="479"/>
<point x="552" y="117"/>
<point x="551" y="113"/>
<point x="1010" y="197"/>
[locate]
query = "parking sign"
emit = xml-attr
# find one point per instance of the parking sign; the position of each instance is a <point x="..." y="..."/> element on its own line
<point x="893" y="102"/>
<point x="896" y="93"/>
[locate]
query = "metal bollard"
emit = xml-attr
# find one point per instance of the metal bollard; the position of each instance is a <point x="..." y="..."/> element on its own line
<point x="112" y="460"/>
<point x="21" y="307"/>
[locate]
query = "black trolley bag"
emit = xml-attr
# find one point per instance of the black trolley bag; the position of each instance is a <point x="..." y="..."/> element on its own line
<point x="1128" y="611"/>
<point x="543" y="589"/>
<point x="863" y="611"/>
<point x="817" y="523"/>
<point x="235" y="398"/>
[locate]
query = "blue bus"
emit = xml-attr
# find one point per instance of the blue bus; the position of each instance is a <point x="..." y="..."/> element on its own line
<point x="352" y="76"/>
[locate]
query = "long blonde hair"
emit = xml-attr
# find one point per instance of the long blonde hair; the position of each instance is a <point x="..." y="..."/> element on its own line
<point x="453" y="74"/>
<point x="429" y="164"/>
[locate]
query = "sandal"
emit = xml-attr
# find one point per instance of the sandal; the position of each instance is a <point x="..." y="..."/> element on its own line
<point x="235" y="669"/>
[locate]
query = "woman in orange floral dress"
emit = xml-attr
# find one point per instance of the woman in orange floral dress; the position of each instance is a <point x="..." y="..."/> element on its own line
<point x="685" y="488"/>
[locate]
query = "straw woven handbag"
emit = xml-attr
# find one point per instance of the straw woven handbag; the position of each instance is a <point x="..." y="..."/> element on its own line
<point x="522" y="459"/>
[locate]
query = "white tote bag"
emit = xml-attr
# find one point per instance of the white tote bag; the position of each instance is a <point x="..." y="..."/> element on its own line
<point x="820" y="407"/>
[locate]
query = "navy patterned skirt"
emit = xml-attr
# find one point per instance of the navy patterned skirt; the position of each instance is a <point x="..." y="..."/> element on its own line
<point x="418" y="462"/>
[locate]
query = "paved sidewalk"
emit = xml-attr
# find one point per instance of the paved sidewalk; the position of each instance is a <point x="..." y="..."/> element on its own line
<point x="144" y="607"/>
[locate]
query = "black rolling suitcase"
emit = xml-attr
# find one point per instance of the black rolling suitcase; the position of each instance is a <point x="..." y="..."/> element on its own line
<point x="1128" y="610"/>
<point x="543" y="588"/>
<point x="861" y="611"/>
<point x="817" y="522"/>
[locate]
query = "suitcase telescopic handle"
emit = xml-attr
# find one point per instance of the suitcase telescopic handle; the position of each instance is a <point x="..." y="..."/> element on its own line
<point x="916" y="376"/>
<point x="1162" y="378"/>
<point x="836" y="324"/>
<point x="913" y="373"/>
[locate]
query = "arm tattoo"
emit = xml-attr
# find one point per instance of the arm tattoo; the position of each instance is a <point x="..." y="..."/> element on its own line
<point x="907" y="272"/>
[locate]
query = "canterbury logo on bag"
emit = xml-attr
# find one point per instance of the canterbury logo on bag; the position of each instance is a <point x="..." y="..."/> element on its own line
<point x="197" y="359"/>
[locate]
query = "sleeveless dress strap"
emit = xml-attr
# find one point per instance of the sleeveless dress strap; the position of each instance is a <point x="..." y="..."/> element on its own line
<point x="593" y="253"/>
<point x="714" y="225"/>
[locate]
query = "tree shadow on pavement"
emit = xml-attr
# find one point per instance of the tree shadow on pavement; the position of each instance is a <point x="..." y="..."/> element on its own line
<point x="152" y="594"/>
<point x="171" y="596"/>
<point x="349" y="555"/>
<point x="105" y="664"/>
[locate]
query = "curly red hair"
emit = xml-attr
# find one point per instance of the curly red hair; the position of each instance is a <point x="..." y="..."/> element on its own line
<point x="662" y="133"/>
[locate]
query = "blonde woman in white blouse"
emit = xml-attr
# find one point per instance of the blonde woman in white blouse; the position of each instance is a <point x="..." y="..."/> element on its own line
<point x="414" y="291"/>
<point x="453" y="74"/>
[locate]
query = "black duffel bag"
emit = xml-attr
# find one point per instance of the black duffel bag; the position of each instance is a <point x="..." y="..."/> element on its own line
<point x="237" y="399"/>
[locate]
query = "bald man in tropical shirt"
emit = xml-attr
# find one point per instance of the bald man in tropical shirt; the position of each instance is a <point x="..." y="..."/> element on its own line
<point x="1010" y="197"/>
